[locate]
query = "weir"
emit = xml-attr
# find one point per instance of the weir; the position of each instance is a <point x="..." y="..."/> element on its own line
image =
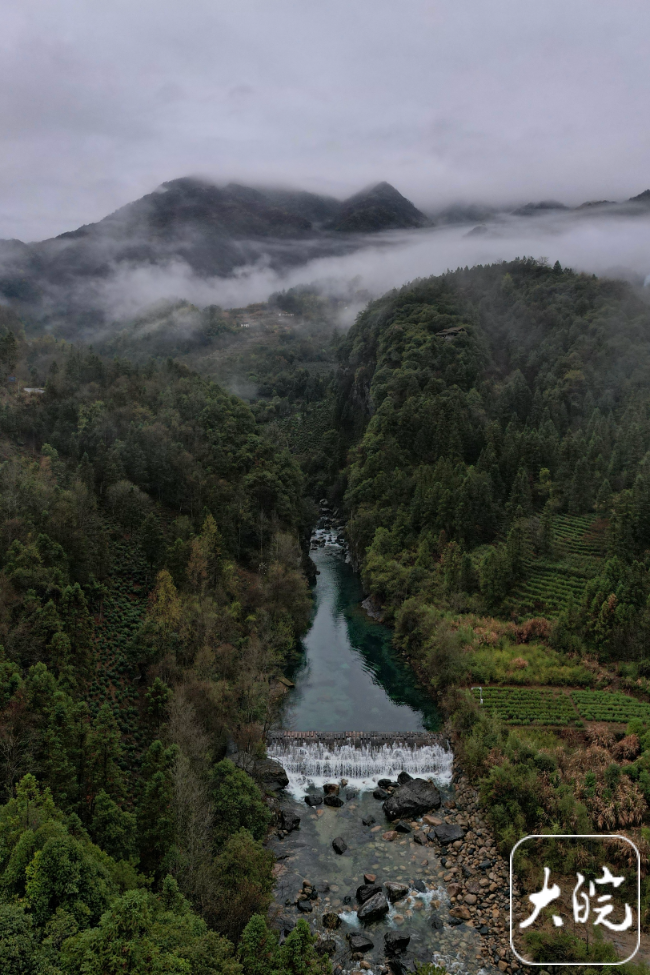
<point x="312" y="759"/>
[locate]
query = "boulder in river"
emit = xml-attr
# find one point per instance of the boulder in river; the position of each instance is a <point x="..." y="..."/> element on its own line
<point x="305" y="905"/>
<point x="366" y="891"/>
<point x="396" y="941"/>
<point x="374" y="909"/>
<point x="403" y="778"/>
<point x="381" y="794"/>
<point x="360" y="942"/>
<point x="339" y="844"/>
<point x="448" y="833"/>
<point x="436" y="922"/>
<point x="313" y="800"/>
<point x="334" y="801"/>
<point x="369" y="821"/>
<point x="412" y="799"/>
<point x="289" y="821"/>
<point x="395" y="891"/>
<point x="331" y="789"/>
<point x="403" y="827"/>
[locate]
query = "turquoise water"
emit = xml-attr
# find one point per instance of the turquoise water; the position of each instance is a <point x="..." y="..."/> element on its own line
<point x="349" y="677"/>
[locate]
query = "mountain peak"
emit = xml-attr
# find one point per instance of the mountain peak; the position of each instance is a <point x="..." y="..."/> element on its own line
<point x="379" y="207"/>
<point x="641" y="198"/>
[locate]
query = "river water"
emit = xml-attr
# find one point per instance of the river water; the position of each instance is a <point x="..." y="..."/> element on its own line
<point x="350" y="679"/>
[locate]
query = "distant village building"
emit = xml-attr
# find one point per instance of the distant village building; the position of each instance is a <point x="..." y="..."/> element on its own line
<point x="33" y="389"/>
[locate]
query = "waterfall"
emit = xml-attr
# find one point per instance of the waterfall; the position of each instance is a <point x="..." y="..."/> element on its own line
<point x="315" y="763"/>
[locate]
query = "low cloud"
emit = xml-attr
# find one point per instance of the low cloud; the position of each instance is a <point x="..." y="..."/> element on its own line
<point x="613" y="246"/>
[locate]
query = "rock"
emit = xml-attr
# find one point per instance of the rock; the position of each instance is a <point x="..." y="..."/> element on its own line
<point x="366" y="891"/>
<point x="431" y="820"/>
<point x="370" y="877"/>
<point x="403" y="827"/>
<point x="461" y="912"/>
<point x="313" y="800"/>
<point x="369" y="821"/>
<point x="470" y="899"/>
<point x="325" y="946"/>
<point x="448" y="833"/>
<point x="331" y="921"/>
<point x="390" y="835"/>
<point x="454" y="890"/>
<point x="396" y="941"/>
<point x="360" y="942"/>
<point x="269" y="773"/>
<point x="381" y="794"/>
<point x="289" y="821"/>
<point x="373" y="909"/>
<point x="395" y="891"/>
<point x="403" y="778"/>
<point x="339" y="844"/>
<point x="467" y="871"/>
<point x="333" y="801"/>
<point x="420" y="837"/>
<point x="485" y="865"/>
<point x="420" y="886"/>
<point x="436" y="922"/>
<point x="331" y="789"/>
<point x="351" y="793"/>
<point x="384" y="783"/>
<point x="483" y="930"/>
<point x="305" y="905"/>
<point x="454" y="921"/>
<point x="412" y="799"/>
<point x="396" y="966"/>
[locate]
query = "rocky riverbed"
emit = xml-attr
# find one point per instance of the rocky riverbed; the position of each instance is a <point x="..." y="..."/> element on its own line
<point x="383" y="894"/>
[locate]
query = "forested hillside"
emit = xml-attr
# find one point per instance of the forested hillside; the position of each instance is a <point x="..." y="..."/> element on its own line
<point x="500" y="403"/>
<point x="498" y="493"/>
<point x="151" y="587"/>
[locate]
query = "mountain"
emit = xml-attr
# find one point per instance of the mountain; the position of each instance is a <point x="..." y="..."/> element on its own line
<point x="381" y="207"/>
<point x="641" y="198"/>
<point x="192" y="223"/>
<point x="533" y="209"/>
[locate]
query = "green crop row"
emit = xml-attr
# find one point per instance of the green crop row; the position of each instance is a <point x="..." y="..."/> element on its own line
<point x="609" y="706"/>
<point x="527" y="706"/>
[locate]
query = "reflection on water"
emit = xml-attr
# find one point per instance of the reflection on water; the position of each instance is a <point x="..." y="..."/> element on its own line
<point x="350" y="678"/>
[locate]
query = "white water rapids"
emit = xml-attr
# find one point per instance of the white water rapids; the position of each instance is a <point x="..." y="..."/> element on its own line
<point x="314" y="763"/>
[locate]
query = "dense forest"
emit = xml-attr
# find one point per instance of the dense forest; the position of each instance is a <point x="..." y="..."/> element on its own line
<point x="498" y="497"/>
<point x="152" y="587"/>
<point x="486" y="434"/>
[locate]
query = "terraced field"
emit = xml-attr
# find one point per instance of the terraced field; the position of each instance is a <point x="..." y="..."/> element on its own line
<point x="583" y="536"/>
<point x="524" y="706"/>
<point x="609" y="706"/>
<point x="548" y="586"/>
<point x="580" y="543"/>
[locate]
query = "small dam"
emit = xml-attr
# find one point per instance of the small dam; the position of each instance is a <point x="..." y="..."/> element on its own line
<point x="312" y="758"/>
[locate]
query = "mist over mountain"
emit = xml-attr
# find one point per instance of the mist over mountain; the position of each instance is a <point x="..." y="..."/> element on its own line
<point x="212" y="231"/>
<point x="229" y="245"/>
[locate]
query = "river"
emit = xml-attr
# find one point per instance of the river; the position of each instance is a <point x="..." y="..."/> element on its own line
<point x="349" y="678"/>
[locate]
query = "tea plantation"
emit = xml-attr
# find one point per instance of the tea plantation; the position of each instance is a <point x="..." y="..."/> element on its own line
<point x="527" y="706"/>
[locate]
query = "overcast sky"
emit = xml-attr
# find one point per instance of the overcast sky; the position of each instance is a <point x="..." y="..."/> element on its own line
<point x="493" y="100"/>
